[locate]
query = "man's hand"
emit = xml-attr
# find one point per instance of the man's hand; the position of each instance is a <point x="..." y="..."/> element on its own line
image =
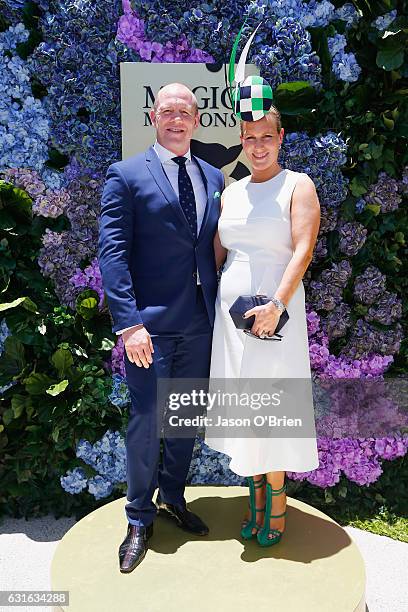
<point x="138" y="346"/>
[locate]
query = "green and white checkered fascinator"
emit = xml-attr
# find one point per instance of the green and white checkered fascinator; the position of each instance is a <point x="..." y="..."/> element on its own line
<point x="252" y="96"/>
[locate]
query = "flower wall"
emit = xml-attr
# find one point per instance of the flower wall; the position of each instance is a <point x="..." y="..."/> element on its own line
<point x="63" y="395"/>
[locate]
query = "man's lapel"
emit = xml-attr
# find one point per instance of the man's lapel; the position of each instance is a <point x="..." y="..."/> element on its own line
<point x="156" y="170"/>
<point x="209" y="191"/>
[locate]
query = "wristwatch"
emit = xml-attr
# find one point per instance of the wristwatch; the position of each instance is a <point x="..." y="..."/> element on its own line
<point x="279" y="305"/>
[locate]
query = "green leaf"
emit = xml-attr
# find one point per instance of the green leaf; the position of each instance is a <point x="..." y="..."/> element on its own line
<point x="18" y="403"/>
<point x="358" y="187"/>
<point x="13" y="304"/>
<point x="24" y="301"/>
<point x="37" y="384"/>
<point x="14" y="350"/>
<point x="62" y="360"/>
<point x="8" y="416"/>
<point x="342" y="491"/>
<point x="57" y="388"/>
<point x="7" y="222"/>
<point x="375" y="208"/>
<point x="106" y="344"/>
<point x="87" y="304"/>
<point x="390" y="58"/>
<point x="298" y="97"/>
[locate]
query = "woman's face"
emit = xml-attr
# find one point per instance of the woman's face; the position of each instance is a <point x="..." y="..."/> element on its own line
<point x="260" y="141"/>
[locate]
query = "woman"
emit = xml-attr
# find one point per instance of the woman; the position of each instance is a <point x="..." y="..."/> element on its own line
<point x="266" y="235"/>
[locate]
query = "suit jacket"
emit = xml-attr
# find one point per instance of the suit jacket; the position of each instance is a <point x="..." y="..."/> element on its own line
<point x="147" y="254"/>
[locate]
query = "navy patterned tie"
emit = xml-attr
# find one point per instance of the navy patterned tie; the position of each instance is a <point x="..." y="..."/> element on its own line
<point x="186" y="195"/>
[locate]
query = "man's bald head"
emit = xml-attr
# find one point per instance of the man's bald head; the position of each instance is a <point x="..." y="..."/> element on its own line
<point x="175" y="116"/>
<point x="177" y="90"/>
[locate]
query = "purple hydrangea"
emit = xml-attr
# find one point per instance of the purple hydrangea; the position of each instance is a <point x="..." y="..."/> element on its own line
<point x="320" y="250"/>
<point x="63" y="252"/>
<point x="369" y="285"/>
<point x="131" y="32"/>
<point x="386" y="310"/>
<point x="384" y="193"/>
<point x="338" y="321"/>
<point x="403" y="186"/>
<point x="327" y="291"/>
<point x="89" y="278"/>
<point x="117" y="363"/>
<point x="352" y="237"/>
<point x="365" y="339"/>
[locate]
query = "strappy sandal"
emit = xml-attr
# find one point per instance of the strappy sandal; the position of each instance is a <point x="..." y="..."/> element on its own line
<point x="249" y="524"/>
<point x="263" y="536"/>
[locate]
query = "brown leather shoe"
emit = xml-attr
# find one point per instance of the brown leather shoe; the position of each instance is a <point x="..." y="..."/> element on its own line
<point x="134" y="547"/>
<point x="182" y="517"/>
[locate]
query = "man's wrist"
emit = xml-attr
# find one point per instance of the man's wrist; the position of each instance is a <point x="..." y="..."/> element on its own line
<point x="132" y="328"/>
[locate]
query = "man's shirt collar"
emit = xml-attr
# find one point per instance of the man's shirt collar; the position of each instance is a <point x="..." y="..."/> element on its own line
<point x="166" y="156"/>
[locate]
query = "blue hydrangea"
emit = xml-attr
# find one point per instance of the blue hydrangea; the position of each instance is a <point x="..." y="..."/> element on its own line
<point x="53" y="179"/>
<point x="312" y="14"/>
<point x="348" y="13"/>
<point x="16" y="4"/>
<point x="24" y="127"/>
<point x="78" y="64"/>
<point x="4" y="333"/>
<point x="120" y="395"/>
<point x="288" y="55"/>
<point x="344" y="65"/>
<point x="382" y="22"/>
<point x="107" y="457"/>
<point x="321" y="157"/>
<point x="99" y="487"/>
<point x="210" y="467"/>
<point x="75" y="481"/>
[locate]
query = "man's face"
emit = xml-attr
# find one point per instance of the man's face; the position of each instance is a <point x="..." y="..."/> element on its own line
<point x="260" y="141"/>
<point x="175" y="119"/>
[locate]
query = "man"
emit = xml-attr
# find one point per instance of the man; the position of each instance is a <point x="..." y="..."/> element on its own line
<point x="159" y="215"/>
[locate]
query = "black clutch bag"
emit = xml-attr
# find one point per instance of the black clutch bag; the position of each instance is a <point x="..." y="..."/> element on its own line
<point x="246" y="302"/>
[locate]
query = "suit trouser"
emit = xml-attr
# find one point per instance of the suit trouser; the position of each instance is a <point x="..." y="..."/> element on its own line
<point x="185" y="355"/>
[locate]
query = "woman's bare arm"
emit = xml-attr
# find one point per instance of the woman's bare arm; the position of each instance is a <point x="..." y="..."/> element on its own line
<point x="305" y="219"/>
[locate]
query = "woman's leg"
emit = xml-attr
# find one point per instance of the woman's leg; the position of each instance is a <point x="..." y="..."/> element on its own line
<point x="277" y="480"/>
<point x="259" y="501"/>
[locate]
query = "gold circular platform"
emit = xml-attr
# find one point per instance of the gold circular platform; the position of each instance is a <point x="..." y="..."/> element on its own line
<point x="315" y="568"/>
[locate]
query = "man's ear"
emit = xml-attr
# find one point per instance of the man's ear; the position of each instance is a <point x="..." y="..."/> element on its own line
<point x="197" y="120"/>
<point x="152" y="116"/>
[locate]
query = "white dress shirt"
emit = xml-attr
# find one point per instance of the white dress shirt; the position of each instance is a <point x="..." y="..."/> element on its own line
<point x="171" y="169"/>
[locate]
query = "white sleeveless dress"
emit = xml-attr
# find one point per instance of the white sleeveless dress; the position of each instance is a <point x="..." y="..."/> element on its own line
<point x="255" y="227"/>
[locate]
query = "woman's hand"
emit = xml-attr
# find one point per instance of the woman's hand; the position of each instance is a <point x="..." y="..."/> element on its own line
<point x="266" y="319"/>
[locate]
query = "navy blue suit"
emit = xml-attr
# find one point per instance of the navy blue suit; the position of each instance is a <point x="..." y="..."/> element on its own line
<point x="148" y="260"/>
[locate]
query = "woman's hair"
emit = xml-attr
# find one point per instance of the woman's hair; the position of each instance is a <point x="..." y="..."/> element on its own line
<point x="272" y="111"/>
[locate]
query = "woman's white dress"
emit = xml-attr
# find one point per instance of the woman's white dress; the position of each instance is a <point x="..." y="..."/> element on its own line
<point x="255" y="227"/>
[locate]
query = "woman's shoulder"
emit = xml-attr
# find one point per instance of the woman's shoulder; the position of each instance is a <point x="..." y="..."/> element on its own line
<point x="236" y="185"/>
<point x="300" y="176"/>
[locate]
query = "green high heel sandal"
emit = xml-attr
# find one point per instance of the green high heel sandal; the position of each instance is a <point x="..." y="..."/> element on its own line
<point x="249" y="524"/>
<point x="263" y="535"/>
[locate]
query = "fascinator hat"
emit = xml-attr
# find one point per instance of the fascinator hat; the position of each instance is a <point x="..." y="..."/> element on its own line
<point x="251" y="97"/>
